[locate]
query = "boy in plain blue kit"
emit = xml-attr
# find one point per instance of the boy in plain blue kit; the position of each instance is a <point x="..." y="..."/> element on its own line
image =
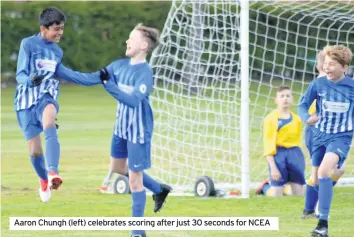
<point x="38" y="69"/>
<point x="333" y="125"/>
<point x="130" y="82"/>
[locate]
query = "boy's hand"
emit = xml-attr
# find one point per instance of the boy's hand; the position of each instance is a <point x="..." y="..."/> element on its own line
<point x="36" y="79"/>
<point x="275" y="173"/>
<point x="313" y="119"/>
<point x="104" y="75"/>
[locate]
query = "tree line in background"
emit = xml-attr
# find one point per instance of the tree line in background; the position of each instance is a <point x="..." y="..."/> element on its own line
<point x="94" y="34"/>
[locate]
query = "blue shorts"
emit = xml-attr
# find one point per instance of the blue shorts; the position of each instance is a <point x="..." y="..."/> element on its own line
<point x="322" y="143"/>
<point x="30" y="120"/>
<point x="139" y="155"/>
<point x="291" y="165"/>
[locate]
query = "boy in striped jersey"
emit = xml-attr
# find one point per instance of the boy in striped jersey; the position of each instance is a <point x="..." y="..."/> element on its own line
<point x="38" y="69"/>
<point x="130" y="82"/>
<point x="333" y="124"/>
<point x="311" y="197"/>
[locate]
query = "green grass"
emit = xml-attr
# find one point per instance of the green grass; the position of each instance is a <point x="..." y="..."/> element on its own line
<point x="86" y="121"/>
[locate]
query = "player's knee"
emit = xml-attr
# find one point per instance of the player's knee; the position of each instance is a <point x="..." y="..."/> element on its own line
<point x="119" y="170"/>
<point x="298" y="190"/>
<point x="324" y="172"/>
<point x="135" y="182"/>
<point x="36" y="154"/>
<point x="35" y="148"/>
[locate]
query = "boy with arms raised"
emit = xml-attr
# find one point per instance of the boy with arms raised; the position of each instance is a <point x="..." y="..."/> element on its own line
<point x="333" y="125"/>
<point x="281" y="140"/>
<point x="38" y="69"/>
<point x="130" y="82"/>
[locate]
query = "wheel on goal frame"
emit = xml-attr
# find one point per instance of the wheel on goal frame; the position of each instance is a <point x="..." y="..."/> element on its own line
<point x="121" y="185"/>
<point x="204" y="187"/>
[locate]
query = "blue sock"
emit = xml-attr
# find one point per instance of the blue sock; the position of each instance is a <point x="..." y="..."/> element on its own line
<point x="265" y="188"/>
<point x="39" y="167"/>
<point x="311" y="197"/>
<point x="52" y="151"/>
<point x="151" y="184"/>
<point x="138" y="207"/>
<point x="325" y="197"/>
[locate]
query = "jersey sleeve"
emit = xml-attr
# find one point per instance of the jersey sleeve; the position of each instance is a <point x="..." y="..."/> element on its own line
<point x="306" y="101"/>
<point x="142" y="88"/>
<point x="23" y="64"/>
<point x="269" y="135"/>
<point x="86" y="79"/>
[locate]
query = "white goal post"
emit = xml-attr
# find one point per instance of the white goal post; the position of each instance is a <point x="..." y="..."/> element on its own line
<point x="216" y="72"/>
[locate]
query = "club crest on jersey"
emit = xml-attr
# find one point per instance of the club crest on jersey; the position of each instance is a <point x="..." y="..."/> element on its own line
<point x="40" y="64"/>
<point x="142" y="88"/>
<point x="46" y="65"/>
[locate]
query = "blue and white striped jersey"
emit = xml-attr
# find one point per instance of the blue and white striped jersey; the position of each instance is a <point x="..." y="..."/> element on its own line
<point x="131" y="85"/>
<point x="37" y="55"/>
<point x="334" y="104"/>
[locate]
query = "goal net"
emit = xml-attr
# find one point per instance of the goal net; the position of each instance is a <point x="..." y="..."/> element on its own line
<point x="197" y="95"/>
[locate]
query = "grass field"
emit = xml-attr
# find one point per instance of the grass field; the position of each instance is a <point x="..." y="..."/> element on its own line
<point x="86" y="121"/>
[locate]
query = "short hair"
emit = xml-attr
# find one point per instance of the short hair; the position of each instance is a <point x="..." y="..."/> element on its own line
<point x="340" y="53"/>
<point x="51" y="16"/>
<point x="152" y="34"/>
<point x="283" y="88"/>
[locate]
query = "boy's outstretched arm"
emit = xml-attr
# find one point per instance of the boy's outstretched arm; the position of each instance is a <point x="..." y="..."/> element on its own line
<point x="306" y="101"/>
<point x="130" y="96"/>
<point x="86" y="79"/>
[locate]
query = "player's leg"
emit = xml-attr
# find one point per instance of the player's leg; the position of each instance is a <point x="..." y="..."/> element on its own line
<point x="312" y="186"/>
<point x="47" y="112"/>
<point x="31" y="129"/>
<point x="138" y="162"/>
<point x="296" y="170"/>
<point x="325" y="192"/>
<point x="337" y="173"/>
<point x="38" y="162"/>
<point x="336" y="153"/>
<point x="160" y="191"/>
<point x="118" y="164"/>
<point x="265" y="188"/>
<point x="118" y="161"/>
<point x="275" y="188"/>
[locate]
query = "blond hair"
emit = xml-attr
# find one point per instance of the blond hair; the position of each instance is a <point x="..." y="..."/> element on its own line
<point x="339" y="53"/>
<point x="152" y="34"/>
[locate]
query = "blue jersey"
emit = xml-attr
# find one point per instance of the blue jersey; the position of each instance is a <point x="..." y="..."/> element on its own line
<point x="37" y="55"/>
<point x="334" y="104"/>
<point x="131" y="86"/>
